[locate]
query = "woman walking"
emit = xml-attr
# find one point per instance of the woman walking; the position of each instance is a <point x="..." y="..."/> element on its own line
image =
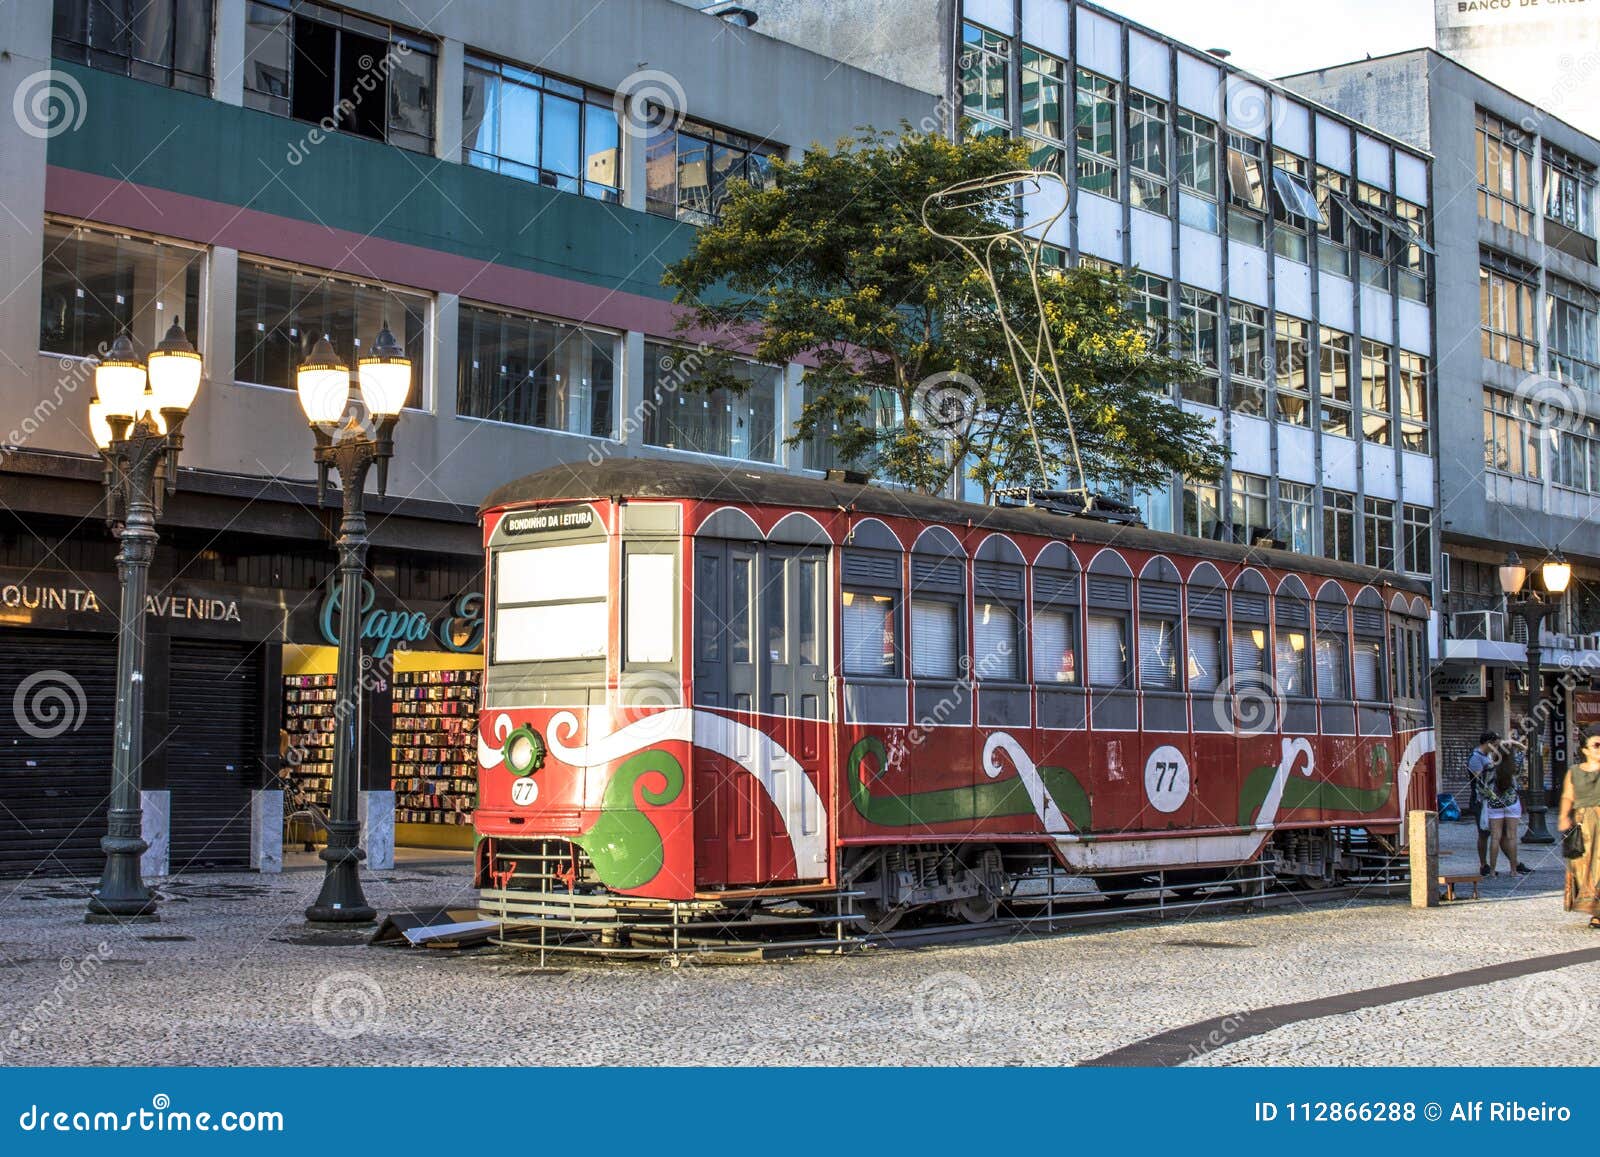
<point x="1580" y="808"/>
<point x="1504" y="805"/>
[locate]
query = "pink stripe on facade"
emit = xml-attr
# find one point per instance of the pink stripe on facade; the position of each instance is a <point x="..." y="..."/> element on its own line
<point x="91" y="197"/>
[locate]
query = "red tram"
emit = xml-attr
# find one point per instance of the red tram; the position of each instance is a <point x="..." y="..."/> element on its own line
<point x="709" y="687"/>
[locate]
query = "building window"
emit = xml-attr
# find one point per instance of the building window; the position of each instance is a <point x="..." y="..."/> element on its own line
<point x="1575" y="453"/>
<point x="1249" y="502"/>
<point x="1197" y="171"/>
<point x="98" y="283"/>
<point x="1372" y="240"/>
<point x="1291" y="368"/>
<point x="1095" y="125"/>
<point x="1247" y="190"/>
<point x="534" y="372"/>
<point x="164" y="42"/>
<point x="984" y="93"/>
<point x="1568" y="191"/>
<point x="881" y="411"/>
<point x="1150" y="303"/>
<point x="690" y="170"/>
<point x="1510" y="438"/>
<point x="1294" y="206"/>
<point x="1334" y="227"/>
<point x="1377" y="394"/>
<point x="1506" y="308"/>
<point x="342" y="71"/>
<point x="718" y="421"/>
<point x="1044" y="94"/>
<point x="526" y="124"/>
<point x="1378" y="515"/>
<point x="1417" y="539"/>
<point x="282" y="312"/>
<point x="1339" y="525"/>
<point x="1147" y="153"/>
<point x="1296" y="504"/>
<point x="1414" y="402"/>
<point x="1570" y="316"/>
<point x="1334" y="381"/>
<point x="1505" y="174"/>
<point x="1247" y="359"/>
<point x="1202" y="509"/>
<point x="1414" y="249"/>
<point x="1198" y="320"/>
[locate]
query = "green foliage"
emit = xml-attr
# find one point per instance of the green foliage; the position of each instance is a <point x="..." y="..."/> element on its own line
<point x="831" y="264"/>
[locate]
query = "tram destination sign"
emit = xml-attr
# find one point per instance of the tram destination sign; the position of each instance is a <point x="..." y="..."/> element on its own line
<point x="541" y="521"/>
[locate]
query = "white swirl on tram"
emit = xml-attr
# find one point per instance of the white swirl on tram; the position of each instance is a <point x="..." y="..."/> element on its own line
<point x="1028" y="772"/>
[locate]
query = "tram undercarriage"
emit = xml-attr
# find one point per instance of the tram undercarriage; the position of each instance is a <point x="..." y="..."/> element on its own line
<point x="545" y="894"/>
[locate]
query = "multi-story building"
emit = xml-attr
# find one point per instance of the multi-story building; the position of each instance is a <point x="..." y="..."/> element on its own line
<point x="1518" y="369"/>
<point x="502" y="184"/>
<point x="1286" y="245"/>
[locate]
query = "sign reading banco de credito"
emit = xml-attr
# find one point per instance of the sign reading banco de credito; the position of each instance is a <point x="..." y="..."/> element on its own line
<point x="458" y="627"/>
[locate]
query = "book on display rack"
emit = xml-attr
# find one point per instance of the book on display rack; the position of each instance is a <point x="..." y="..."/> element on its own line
<point x="434" y="749"/>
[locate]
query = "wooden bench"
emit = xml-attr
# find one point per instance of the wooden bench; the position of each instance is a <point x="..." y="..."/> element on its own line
<point x="1451" y="883"/>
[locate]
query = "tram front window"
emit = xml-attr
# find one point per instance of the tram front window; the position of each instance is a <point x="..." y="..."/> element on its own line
<point x="550" y="603"/>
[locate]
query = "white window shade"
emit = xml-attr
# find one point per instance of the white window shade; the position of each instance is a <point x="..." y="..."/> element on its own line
<point x="651" y="595"/>
<point x="994" y="642"/>
<point x="1367" y="670"/>
<point x="934" y="646"/>
<point x="1332" y="677"/>
<point x="1249" y="650"/>
<point x="1205" y="656"/>
<point x="1054" y="657"/>
<point x="1158" y="668"/>
<point x="554" y="631"/>
<point x="1108" y="651"/>
<point x="1291" y="655"/>
<point x="550" y="574"/>
<point x="868" y="628"/>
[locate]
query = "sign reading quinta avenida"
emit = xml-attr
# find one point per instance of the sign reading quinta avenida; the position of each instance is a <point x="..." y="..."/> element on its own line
<point x="84" y="600"/>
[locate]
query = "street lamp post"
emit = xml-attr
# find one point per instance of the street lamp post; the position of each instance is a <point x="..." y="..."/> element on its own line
<point x="324" y="386"/>
<point x="1533" y="611"/>
<point x="136" y="419"/>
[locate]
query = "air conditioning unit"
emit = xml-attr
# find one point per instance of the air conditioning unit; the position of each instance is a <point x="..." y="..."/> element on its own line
<point x="1490" y="626"/>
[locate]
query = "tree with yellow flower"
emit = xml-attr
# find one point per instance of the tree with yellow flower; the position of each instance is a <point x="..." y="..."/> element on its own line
<point x="830" y="264"/>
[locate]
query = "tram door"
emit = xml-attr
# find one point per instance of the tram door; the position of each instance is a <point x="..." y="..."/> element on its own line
<point x="761" y="658"/>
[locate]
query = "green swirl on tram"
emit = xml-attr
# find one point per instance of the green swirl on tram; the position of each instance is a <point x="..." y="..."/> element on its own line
<point x="1302" y="792"/>
<point x="1006" y="797"/>
<point x="624" y="845"/>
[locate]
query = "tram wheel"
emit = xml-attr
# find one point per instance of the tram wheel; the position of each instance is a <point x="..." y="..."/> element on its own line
<point x="975" y="909"/>
<point x="879" y="918"/>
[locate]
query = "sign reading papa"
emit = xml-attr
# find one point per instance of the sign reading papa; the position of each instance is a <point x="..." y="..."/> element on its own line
<point x="459" y="627"/>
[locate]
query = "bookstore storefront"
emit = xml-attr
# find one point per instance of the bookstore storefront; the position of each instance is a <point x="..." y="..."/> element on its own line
<point x="239" y="711"/>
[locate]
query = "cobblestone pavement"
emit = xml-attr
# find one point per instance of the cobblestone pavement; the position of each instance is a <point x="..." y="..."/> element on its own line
<point x="232" y="976"/>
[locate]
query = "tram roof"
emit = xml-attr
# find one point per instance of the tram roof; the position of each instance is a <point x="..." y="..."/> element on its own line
<point x="667" y="478"/>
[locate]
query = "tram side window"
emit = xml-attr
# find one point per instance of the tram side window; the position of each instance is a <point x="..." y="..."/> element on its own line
<point x="1055" y="658"/>
<point x="1369" y="670"/>
<point x="550" y="603"/>
<point x="868" y="626"/>
<point x="1108" y="651"/>
<point x="1158" y="653"/>
<point x="1249" y="652"/>
<point x="996" y="642"/>
<point x="935" y="645"/>
<point x="1205" y="656"/>
<point x="1289" y="655"/>
<point x="1333" y="679"/>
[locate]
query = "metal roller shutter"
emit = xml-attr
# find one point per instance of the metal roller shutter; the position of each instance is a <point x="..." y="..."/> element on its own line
<point x="57" y="713"/>
<point x="213" y="752"/>
<point x="1461" y="721"/>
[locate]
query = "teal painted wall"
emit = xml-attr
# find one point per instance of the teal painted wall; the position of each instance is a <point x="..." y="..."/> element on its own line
<point x="192" y="145"/>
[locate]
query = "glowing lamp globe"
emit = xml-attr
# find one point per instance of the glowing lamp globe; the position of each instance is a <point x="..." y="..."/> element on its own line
<point x="385" y="376"/>
<point x="323" y="382"/>
<point x="174" y="367"/>
<point x="119" y="380"/>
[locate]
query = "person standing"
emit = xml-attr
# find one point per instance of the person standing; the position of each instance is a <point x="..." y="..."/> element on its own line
<point x="1480" y="772"/>
<point x="1503" y="807"/>
<point x="1580" y="808"/>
